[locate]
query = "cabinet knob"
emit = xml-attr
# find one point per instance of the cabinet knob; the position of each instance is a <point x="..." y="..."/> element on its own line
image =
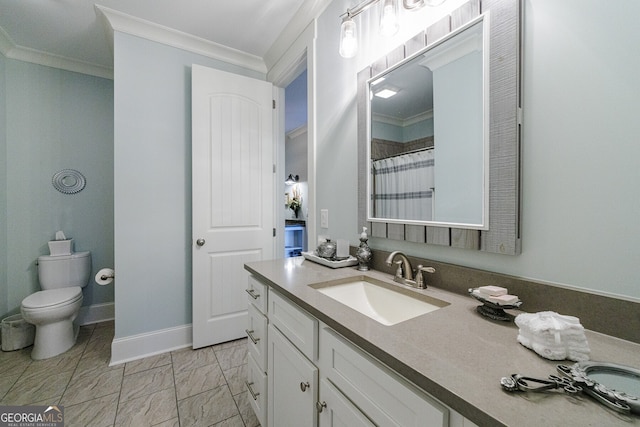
<point x="320" y="406"/>
<point x="304" y="386"/>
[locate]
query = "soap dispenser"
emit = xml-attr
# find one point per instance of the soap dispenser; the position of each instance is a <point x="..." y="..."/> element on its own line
<point x="363" y="254"/>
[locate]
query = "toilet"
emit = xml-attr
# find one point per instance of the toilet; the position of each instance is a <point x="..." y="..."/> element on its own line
<point x="53" y="309"/>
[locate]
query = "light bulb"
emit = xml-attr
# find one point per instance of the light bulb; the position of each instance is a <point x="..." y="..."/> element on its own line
<point x="348" y="39"/>
<point x="389" y="18"/>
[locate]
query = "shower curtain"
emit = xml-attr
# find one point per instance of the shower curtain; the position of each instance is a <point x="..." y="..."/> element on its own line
<point x="402" y="186"/>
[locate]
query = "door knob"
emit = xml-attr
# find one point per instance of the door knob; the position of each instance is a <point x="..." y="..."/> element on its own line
<point x="200" y="242"/>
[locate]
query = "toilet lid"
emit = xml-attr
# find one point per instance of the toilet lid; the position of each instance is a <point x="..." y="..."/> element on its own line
<point x="53" y="297"/>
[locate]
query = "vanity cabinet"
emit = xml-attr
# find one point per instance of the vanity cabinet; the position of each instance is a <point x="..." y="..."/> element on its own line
<point x="302" y="373"/>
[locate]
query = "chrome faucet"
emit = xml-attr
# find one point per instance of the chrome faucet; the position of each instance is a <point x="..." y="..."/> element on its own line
<point x="404" y="271"/>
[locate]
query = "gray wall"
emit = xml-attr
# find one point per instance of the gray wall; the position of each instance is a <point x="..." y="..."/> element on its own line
<point x="152" y="116"/>
<point x="53" y="119"/>
<point x="580" y="151"/>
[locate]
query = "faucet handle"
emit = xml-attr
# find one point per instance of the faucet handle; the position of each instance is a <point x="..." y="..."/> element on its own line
<point x="419" y="276"/>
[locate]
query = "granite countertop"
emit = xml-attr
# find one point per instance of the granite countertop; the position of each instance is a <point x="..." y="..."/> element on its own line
<point x="453" y="353"/>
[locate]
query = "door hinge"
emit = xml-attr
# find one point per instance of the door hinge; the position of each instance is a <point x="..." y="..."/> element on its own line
<point x="274" y="232"/>
<point x="274" y="168"/>
<point x="274" y="103"/>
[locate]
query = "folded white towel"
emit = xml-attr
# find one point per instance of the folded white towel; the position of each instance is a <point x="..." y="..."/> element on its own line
<point x="553" y="336"/>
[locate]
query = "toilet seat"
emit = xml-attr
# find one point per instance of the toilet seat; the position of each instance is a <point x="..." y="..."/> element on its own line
<point x="52" y="297"/>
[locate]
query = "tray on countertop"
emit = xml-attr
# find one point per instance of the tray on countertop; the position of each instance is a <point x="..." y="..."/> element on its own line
<point x="331" y="263"/>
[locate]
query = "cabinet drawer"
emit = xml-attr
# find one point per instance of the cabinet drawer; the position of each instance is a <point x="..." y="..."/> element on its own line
<point x="297" y="325"/>
<point x="257" y="386"/>
<point x="257" y="294"/>
<point x="385" y="397"/>
<point x="257" y="333"/>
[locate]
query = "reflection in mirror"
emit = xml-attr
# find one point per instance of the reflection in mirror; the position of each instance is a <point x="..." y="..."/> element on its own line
<point x="614" y="385"/>
<point x="428" y="134"/>
<point x="69" y="180"/>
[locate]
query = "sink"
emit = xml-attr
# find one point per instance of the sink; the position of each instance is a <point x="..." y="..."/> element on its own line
<point x="385" y="303"/>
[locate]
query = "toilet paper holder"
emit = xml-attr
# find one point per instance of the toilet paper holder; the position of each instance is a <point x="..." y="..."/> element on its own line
<point x="105" y="276"/>
<point x="108" y="276"/>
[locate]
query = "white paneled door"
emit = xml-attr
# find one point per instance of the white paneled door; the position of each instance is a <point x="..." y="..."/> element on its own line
<point x="233" y="197"/>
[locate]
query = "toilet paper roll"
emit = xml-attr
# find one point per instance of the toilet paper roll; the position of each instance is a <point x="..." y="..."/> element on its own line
<point x="105" y="276"/>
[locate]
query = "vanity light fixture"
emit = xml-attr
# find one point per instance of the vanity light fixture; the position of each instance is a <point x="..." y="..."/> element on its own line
<point x="389" y="21"/>
<point x="292" y="179"/>
<point x="348" y="38"/>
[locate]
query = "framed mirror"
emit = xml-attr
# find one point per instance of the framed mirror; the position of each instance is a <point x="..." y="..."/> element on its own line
<point x="429" y="142"/>
<point x="476" y="185"/>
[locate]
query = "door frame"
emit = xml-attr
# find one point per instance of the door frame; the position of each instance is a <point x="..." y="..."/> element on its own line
<point x="300" y="56"/>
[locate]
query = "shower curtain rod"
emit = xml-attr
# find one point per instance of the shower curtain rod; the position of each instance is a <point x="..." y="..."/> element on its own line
<point x="405" y="152"/>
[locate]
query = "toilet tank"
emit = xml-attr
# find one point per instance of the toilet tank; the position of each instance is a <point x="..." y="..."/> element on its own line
<point x="63" y="271"/>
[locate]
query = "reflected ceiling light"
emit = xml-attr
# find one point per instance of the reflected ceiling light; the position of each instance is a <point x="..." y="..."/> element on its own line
<point x="385" y="93"/>
<point x="389" y="21"/>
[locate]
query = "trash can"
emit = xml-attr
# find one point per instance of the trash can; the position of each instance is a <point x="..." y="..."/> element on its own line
<point x="16" y="333"/>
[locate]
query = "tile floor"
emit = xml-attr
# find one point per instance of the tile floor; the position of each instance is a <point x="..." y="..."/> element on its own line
<point x="186" y="387"/>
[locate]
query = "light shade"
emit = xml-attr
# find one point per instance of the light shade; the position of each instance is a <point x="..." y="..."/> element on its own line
<point x="389" y="24"/>
<point x="348" y="39"/>
<point x="291" y="179"/>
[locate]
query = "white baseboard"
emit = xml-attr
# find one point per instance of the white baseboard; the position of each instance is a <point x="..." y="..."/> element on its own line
<point x="96" y="313"/>
<point x="149" y="344"/>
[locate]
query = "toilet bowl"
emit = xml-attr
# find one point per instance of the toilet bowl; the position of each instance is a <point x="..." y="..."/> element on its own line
<point x="53" y="313"/>
<point x="53" y="309"/>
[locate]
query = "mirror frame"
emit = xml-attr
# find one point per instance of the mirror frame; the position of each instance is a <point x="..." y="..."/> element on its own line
<point x="505" y="121"/>
<point x="484" y="20"/>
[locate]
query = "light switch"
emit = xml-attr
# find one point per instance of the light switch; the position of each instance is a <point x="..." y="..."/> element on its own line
<point x="324" y="218"/>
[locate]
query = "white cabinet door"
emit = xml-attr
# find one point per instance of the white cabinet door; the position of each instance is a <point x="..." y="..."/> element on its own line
<point x="293" y="384"/>
<point x="338" y="411"/>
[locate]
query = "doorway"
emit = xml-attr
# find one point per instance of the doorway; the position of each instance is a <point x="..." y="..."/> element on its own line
<point x="296" y="188"/>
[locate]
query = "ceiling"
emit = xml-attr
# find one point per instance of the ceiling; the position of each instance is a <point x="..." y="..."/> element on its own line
<point x="74" y="30"/>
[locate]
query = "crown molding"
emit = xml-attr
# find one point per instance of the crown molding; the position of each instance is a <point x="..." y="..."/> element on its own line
<point x="121" y="22"/>
<point x="294" y="133"/>
<point x="309" y="11"/>
<point x="390" y="120"/>
<point x="25" y="54"/>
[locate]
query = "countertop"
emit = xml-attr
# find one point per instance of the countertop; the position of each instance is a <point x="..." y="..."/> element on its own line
<point x="453" y="353"/>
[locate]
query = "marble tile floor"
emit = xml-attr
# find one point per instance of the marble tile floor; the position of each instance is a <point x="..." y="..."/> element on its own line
<point x="186" y="387"/>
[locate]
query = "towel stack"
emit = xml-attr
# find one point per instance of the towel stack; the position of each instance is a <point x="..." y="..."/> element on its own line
<point x="553" y="336"/>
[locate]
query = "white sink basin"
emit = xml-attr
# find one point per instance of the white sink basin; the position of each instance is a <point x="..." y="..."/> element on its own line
<point x="378" y="300"/>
